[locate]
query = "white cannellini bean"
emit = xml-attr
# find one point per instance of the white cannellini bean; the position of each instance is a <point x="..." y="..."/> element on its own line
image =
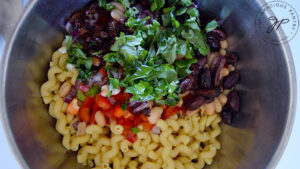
<point x="155" y="114"/>
<point x="81" y="129"/>
<point x="116" y="14"/>
<point x="118" y="6"/>
<point x="64" y="89"/>
<point x="209" y="108"/>
<point x="231" y="68"/>
<point x="193" y="112"/>
<point x="104" y="90"/>
<point x="115" y="91"/>
<point x="181" y="95"/>
<point x="222" y="52"/>
<point x="224" y="72"/>
<point x="100" y="119"/>
<point x="150" y="104"/>
<point x="224" y="44"/>
<point x="218" y="106"/>
<point x="222" y="98"/>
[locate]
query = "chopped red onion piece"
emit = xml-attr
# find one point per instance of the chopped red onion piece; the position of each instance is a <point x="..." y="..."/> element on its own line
<point x="71" y="95"/>
<point x="156" y="130"/>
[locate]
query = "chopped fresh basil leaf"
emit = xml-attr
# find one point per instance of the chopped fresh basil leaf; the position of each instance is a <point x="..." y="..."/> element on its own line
<point x="105" y="5"/>
<point x="68" y="42"/>
<point x="97" y="53"/>
<point x="135" y="130"/>
<point x="212" y="25"/>
<point x="93" y="91"/>
<point x="79" y="59"/>
<point x="157" y="4"/>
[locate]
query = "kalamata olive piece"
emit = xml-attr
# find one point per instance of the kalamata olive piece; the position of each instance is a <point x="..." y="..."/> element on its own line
<point x="217" y="80"/>
<point x="201" y="62"/>
<point x="186" y="85"/>
<point x="231" y="58"/>
<point x="209" y="93"/>
<point x="231" y="80"/>
<point x="215" y="63"/>
<point x="233" y="102"/>
<point x="213" y="39"/>
<point x="204" y="79"/>
<point x="214" y="42"/>
<point x="194" y="103"/>
<point x="221" y="35"/>
<point x="226" y="116"/>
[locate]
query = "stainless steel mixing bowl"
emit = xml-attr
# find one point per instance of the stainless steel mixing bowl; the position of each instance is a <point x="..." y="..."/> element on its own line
<point x="267" y="88"/>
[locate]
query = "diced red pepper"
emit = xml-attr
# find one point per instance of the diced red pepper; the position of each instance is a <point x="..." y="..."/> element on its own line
<point x="84" y="115"/>
<point x="88" y="103"/>
<point x="137" y="120"/>
<point x="84" y="88"/>
<point x="102" y="71"/>
<point x="170" y="111"/>
<point x="103" y="102"/>
<point x="85" y="109"/>
<point x="118" y="111"/>
<point x="126" y="123"/>
<point x="109" y="113"/>
<point x="144" y="118"/>
<point x="128" y="115"/>
<point x="130" y="136"/>
<point x="147" y="126"/>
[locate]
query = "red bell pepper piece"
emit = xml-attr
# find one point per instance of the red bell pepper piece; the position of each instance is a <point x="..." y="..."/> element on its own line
<point x="137" y="120"/>
<point x="85" y="109"/>
<point x="147" y="126"/>
<point x="84" y="115"/>
<point x="102" y="71"/>
<point x="144" y="118"/>
<point x="170" y="111"/>
<point x="109" y="113"/>
<point x="118" y="111"/>
<point x="130" y="136"/>
<point x="103" y="102"/>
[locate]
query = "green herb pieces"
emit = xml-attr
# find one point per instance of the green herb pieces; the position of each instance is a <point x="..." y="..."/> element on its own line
<point x="168" y="49"/>
<point x="135" y="130"/>
<point x="80" y="96"/>
<point x="157" y="4"/>
<point x="105" y="5"/>
<point x="93" y="91"/>
<point x="97" y="53"/>
<point x="212" y="25"/>
<point x="194" y="35"/>
<point x="78" y="58"/>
